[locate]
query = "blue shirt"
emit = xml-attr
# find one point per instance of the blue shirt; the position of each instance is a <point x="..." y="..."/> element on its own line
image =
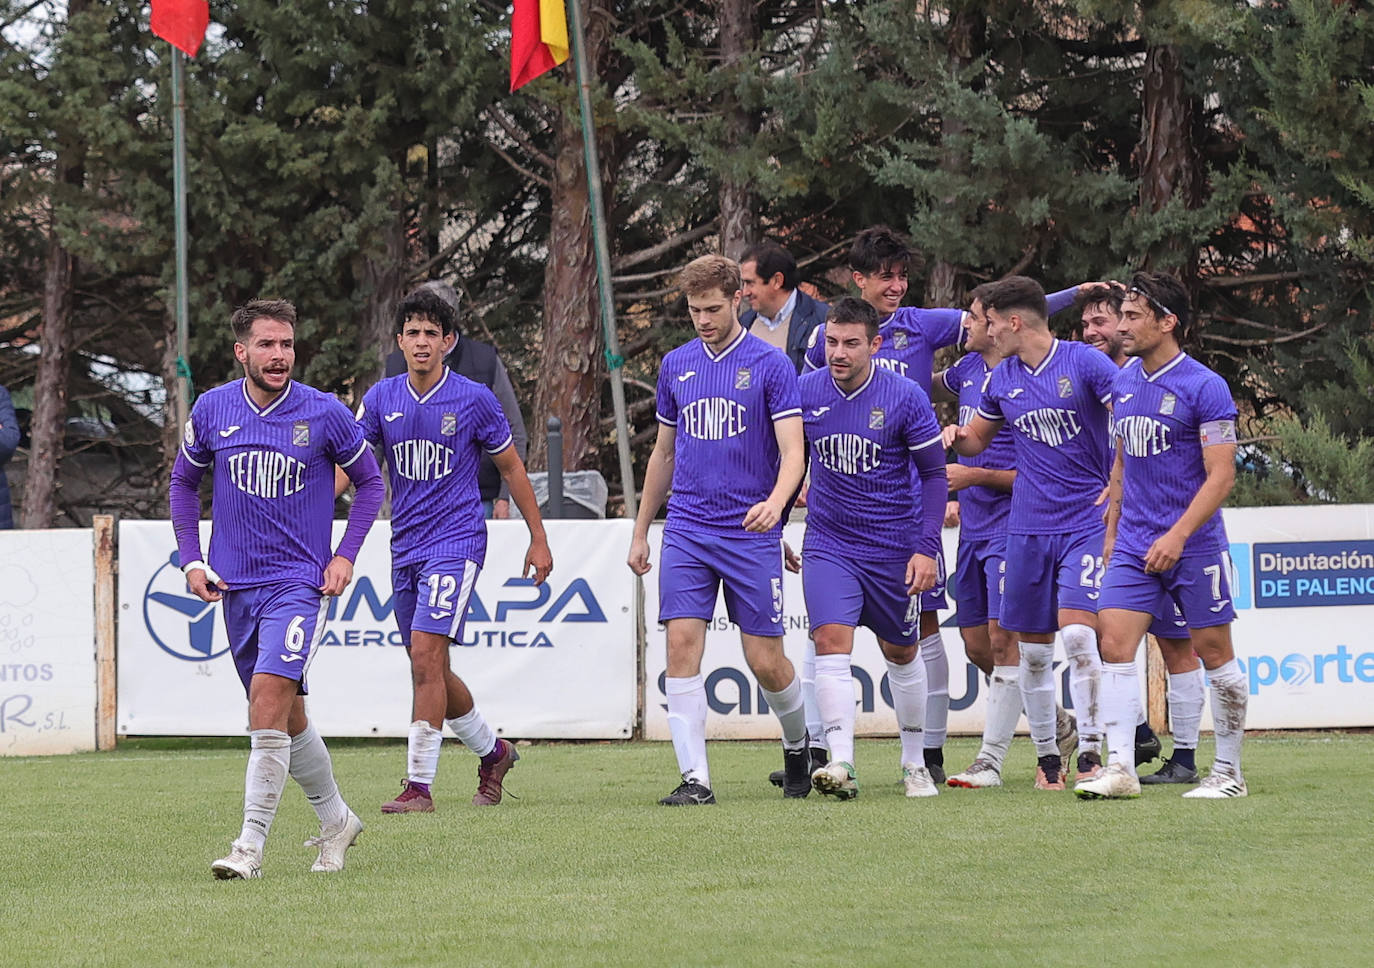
<point x="910" y="338"/>
<point x="983" y="511"/>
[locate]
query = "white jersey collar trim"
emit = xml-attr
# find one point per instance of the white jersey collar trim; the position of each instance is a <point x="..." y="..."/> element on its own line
<point x="1151" y="377"/>
<point x="1054" y="348"/>
<point x="431" y="391"/>
<point x="264" y="411"/>
<point x="743" y="335"/>
<point x="861" y="387"/>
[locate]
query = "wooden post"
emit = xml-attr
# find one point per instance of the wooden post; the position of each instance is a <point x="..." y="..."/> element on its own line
<point x="1156" y="687"/>
<point x="104" y="631"/>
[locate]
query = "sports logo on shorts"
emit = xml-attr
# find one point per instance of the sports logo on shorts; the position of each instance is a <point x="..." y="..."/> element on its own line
<point x="875" y="418"/>
<point x="742" y="380"/>
<point x="899" y="340"/>
<point x="1065" y="387"/>
<point x="1167" y="404"/>
<point x="300" y="434"/>
<point x="448" y="426"/>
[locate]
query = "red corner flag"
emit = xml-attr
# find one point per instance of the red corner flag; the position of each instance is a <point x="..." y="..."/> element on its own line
<point x="181" y="23"/>
<point x="538" y="39"/>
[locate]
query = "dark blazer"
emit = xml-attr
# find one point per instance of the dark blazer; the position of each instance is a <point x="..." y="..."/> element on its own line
<point x="809" y="314"/>
<point x="9" y="440"/>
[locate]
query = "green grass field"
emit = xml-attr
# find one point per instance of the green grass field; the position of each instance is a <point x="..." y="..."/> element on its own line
<point x="104" y="860"/>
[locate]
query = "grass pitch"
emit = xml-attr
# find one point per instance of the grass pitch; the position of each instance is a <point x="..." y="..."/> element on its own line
<point x="104" y="860"/>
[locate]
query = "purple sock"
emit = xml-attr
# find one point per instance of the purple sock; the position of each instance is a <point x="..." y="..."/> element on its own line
<point x="497" y="751"/>
<point x="419" y="787"/>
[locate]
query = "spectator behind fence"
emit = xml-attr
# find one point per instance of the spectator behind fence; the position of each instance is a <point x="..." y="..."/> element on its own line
<point x="9" y="440"/>
<point x="781" y="314"/>
<point x="480" y="363"/>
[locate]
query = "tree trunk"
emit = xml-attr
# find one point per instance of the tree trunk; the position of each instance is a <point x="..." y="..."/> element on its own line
<point x="964" y="41"/>
<point x="48" y="433"/>
<point x="738" y="225"/>
<point x="384" y="279"/>
<point x="1166" y="153"/>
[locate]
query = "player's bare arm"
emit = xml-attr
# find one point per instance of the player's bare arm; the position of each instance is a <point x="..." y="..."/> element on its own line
<point x="974" y="437"/>
<point x="657" y="477"/>
<point x="1112" y="512"/>
<point x="1219" y="461"/>
<point x="939" y="393"/>
<point x="538" y="559"/>
<point x="961" y="476"/>
<point x="792" y="465"/>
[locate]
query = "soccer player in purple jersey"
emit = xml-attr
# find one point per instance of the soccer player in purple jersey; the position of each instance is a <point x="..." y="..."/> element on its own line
<point x="1187" y="691"/>
<point x="1175" y="430"/>
<point x="730" y="444"/>
<point x="433" y="427"/>
<point x="984" y="487"/>
<point x="872" y="542"/>
<point x="1055" y="396"/>
<point x="274" y="445"/>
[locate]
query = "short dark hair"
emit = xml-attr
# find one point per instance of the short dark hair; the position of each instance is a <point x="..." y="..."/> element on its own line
<point x="1166" y="296"/>
<point x="427" y="303"/>
<point x="980" y="294"/>
<point x="769" y="259"/>
<point x="848" y="309"/>
<point x="1103" y="292"/>
<point x="877" y="248"/>
<point x="1017" y="292"/>
<point x="709" y="272"/>
<point x="241" y="322"/>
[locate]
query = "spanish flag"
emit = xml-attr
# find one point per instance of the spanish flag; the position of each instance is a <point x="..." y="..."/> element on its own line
<point x="538" y="39"/>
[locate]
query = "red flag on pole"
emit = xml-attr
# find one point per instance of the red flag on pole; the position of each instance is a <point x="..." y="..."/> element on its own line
<point x="538" y="39"/>
<point x="181" y="23"/>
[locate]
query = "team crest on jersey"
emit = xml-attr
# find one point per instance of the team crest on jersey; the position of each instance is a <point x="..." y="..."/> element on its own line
<point x="899" y="340"/>
<point x="300" y="434"/>
<point x="875" y="418"/>
<point x="449" y="425"/>
<point x="742" y="380"/>
<point x="1167" y="404"/>
<point x="189" y="434"/>
<point x="1065" y="387"/>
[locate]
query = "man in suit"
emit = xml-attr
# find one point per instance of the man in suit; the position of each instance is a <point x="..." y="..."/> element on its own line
<point x="780" y="313"/>
<point x="480" y="363"/>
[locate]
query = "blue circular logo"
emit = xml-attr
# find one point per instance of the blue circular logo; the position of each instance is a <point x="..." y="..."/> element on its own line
<point x="179" y="622"/>
<point x="1295" y="669"/>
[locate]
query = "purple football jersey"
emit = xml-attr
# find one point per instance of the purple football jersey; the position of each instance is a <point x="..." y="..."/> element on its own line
<point x="910" y="338"/>
<point x="863" y="447"/>
<point x="1057" y="413"/>
<point x="1159" y="426"/>
<point x="273" y="468"/>
<point x="982" y="510"/>
<point x="432" y="445"/>
<point x="722" y="407"/>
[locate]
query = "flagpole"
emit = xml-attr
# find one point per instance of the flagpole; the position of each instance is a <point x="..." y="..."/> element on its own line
<point x="614" y="361"/>
<point x="183" y="312"/>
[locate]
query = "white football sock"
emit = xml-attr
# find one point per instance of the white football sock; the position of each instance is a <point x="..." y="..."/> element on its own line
<point x="808" y="686"/>
<point x="1187" y="692"/>
<point x="473" y="731"/>
<point x="937" y="690"/>
<point x="422" y="752"/>
<point x="314" y="771"/>
<point x="687" y="723"/>
<point x="1085" y="684"/>
<point x="835" y="698"/>
<point x="909" y="697"/>
<point x="1003" y="712"/>
<point x="1230" y="696"/>
<point x="787" y="705"/>
<point x="269" y="760"/>
<point x="1037" y="694"/>
<point x="1121" y="711"/>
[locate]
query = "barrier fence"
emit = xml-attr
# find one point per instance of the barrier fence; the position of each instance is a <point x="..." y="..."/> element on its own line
<point x="80" y="664"/>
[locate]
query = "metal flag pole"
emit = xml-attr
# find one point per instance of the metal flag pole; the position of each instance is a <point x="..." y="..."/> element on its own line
<point x="183" y="311"/>
<point x="614" y="361"/>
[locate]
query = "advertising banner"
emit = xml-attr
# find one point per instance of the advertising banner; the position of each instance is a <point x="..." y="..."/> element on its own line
<point x="47" y="642"/>
<point x="557" y="661"/>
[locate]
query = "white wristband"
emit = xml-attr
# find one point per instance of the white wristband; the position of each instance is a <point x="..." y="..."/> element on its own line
<point x="210" y="575"/>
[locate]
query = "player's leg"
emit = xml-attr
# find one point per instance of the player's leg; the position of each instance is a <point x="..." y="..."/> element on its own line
<point x="1171" y="625"/>
<point x="751" y="574"/>
<point x="818" y="755"/>
<point x="835" y="697"/>
<point x="313" y="770"/>
<point x="977" y="578"/>
<point x="1079" y="580"/>
<point x="408" y="587"/>
<point x="1121" y="630"/>
<point x="1187" y="692"/>
<point x="936" y="659"/>
<point x="240" y="624"/>
<point x="1028" y="611"/>
<point x="687" y="600"/>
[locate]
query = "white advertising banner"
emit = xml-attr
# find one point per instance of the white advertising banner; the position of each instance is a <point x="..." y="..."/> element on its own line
<point x="47" y="642"/>
<point x="556" y="661"/>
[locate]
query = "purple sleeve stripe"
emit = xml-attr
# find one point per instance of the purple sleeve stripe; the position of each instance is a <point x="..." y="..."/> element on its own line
<point x="361" y="447"/>
<point x="781" y="414"/>
<point x="192" y="459"/>
<point x="983" y="413"/>
<point x="496" y="450"/>
<point x="664" y="420"/>
<point x="937" y="439"/>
